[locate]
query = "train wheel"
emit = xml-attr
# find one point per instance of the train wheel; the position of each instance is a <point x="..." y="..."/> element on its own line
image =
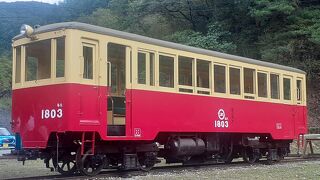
<point x="249" y="156"/>
<point x="147" y="160"/>
<point x="90" y="165"/>
<point x="66" y="164"/>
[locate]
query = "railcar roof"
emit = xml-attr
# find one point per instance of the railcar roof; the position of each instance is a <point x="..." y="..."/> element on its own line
<point x="144" y="39"/>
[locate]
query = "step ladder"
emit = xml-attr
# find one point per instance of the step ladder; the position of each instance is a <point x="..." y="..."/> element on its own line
<point x="88" y="138"/>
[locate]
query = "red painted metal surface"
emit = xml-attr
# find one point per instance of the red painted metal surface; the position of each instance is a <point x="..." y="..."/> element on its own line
<point x="148" y="113"/>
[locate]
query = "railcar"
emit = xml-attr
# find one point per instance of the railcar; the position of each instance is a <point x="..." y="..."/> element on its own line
<point x="86" y="98"/>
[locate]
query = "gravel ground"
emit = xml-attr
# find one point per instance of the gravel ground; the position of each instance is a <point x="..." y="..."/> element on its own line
<point x="10" y="169"/>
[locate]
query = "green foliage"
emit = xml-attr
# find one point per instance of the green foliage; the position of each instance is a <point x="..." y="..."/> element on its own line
<point x="5" y="75"/>
<point x="214" y="39"/>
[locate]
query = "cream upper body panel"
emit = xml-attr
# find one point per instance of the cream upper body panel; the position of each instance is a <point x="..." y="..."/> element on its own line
<point x="78" y="35"/>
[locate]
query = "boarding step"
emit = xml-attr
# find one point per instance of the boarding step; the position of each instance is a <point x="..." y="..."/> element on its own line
<point x="88" y="138"/>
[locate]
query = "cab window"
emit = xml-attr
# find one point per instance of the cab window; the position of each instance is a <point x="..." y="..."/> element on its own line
<point x="38" y="60"/>
<point x="18" y="65"/>
<point x="60" y="57"/>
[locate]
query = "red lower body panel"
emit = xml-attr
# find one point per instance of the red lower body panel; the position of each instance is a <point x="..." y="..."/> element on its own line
<point x="40" y="111"/>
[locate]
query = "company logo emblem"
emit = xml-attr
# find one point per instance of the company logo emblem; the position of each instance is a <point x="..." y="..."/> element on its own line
<point x="222" y="121"/>
<point x="221" y="114"/>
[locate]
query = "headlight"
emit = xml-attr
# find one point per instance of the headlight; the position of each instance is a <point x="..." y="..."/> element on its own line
<point x="26" y="30"/>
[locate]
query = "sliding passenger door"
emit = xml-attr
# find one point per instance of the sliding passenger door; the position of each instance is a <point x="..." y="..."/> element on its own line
<point x="118" y="61"/>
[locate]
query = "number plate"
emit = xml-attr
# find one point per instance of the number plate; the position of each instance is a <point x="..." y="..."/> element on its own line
<point x="5" y="145"/>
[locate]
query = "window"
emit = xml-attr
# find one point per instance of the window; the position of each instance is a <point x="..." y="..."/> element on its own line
<point x="203" y="73"/>
<point x="185" y="71"/>
<point x="262" y="85"/>
<point x="18" y="65"/>
<point x="152" y="76"/>
<point x="88" y="62"/>
<point x="142" y="68"/>
<point x="234" y="77"/>
<point x="60" y="61"/>
<point x="38" y="60"/>
<point x="146" y="68"/>
<point x="299" y="90"/>
<point x="249" y="80"/>
<point x="286" y="88"/>
<point x="219" y="78"/>
<point x="166" y="71"/>
<point x="274" y="80"/>
<point x="117" y="64"/>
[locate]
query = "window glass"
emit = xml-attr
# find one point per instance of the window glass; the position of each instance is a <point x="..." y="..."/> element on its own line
<point x="249" y="80"/>
<point x="38" y="60"/>
<point x="152" y="69"/>
<point x="142" y="68"/>
<point x="166" y="71"/>
<point x="88" y="62"/>
<point x="274" y="80"/>
<point x="18" y="65"/>
<point x="203" y="73"/>
<point x="286" y="89"/>
<point x="185" y="71"/>
<point x="234" y="77"/>
<point x="60" y="61"/>
<point x="219" y="78"/>
<point x="299" y="90"/>
<point x="117" y="58"/>
<point x="262" y="85"/>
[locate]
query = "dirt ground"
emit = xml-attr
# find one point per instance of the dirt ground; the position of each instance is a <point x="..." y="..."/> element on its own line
<point x="11" y="169"/>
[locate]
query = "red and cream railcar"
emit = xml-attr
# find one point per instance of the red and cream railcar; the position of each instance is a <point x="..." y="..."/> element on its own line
<point x="98" y="98"/>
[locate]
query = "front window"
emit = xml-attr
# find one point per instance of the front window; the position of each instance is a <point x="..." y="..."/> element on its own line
<point x="38" y="60"/>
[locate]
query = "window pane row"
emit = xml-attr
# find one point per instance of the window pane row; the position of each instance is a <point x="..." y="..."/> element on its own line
<point x="260" y="83"/>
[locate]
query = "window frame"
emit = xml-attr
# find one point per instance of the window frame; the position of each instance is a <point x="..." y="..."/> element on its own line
<point x="279" y="86"/>
<point x="283" y="88"/>
<point x="195" y="77"/>
<point x="175" y="73"/>
<point x="268" y="85"/>
<point x="55" y="59"/>
<point x="302" y="96"/>
<point x="241" y="82"/>
<point x="193" y="71"/>
<point x="14" y="73"/>
<point x="94" y="45"/>
<point x="221" y="94"/>
<point x="148" y="70"/>
<point x="32" y="83"/>
<point x="250" y="96"/>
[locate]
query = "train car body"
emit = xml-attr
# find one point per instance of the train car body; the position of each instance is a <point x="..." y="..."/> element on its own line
<point x="92" y="90"/>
